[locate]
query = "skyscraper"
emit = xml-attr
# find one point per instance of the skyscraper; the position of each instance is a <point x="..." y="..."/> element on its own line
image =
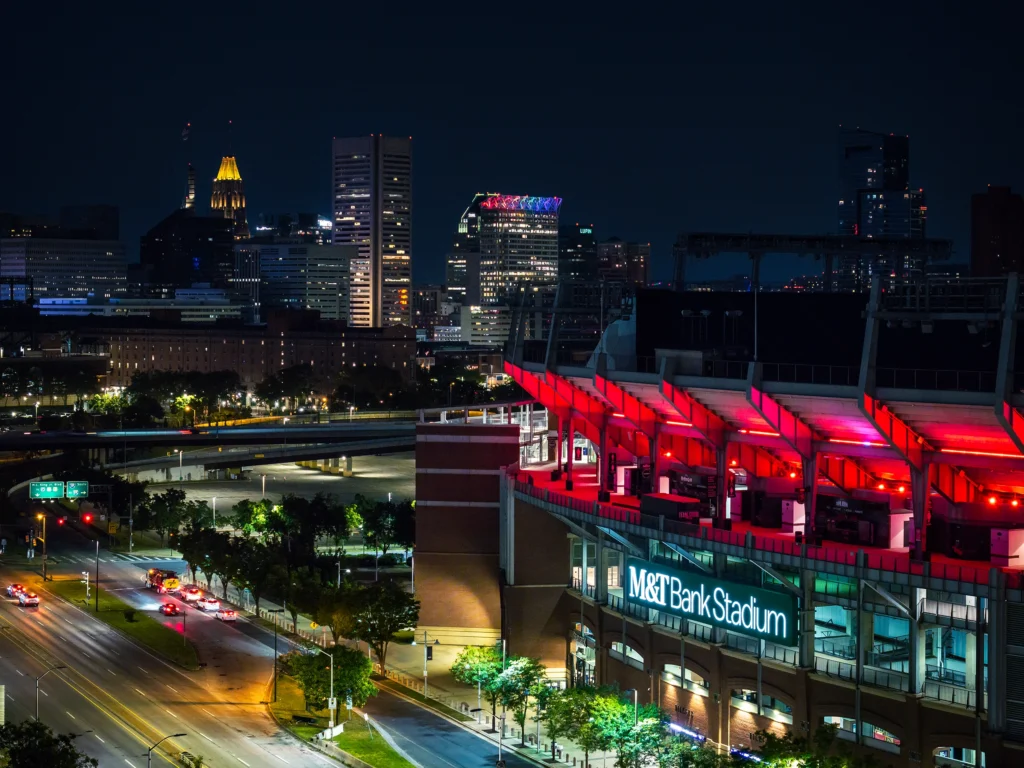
<point x="228" y="199"/>
<point x="622" y="262"/>
<point x="372" y="181"/>
<point x="296" y="275"/>
<point x="875" y="200"/>
<point x="190" y="189"/>
<point x="577" y="252"/>
<point x="184" y="249"/>
<point x="997" y="232"/>
<point x="518" y="242"/>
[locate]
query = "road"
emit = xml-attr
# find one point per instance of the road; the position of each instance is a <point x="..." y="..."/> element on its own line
<point x="433" y="741"/>
<point x="131" y="698"/>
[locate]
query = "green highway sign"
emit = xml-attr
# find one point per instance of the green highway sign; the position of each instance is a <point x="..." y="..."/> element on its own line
<point x="78" y="489"/>
<point x="741" y="608"/>
<point x="46" y="490"/>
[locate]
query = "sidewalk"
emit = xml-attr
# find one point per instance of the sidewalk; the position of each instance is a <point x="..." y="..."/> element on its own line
<point x="405" y="667"/>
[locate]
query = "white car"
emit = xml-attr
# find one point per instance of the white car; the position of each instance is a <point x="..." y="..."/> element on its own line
<point x="226" y="615"/>
<point x="208" y="604"/>
<point x="191" y="594"/>
<point x="13" y="590"/>
<point x="28" y="598"/>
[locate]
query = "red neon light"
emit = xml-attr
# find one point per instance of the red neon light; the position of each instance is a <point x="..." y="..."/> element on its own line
<point x="1014" y="503"/>
<point x="679" y="423"/>
<point x="901" y="489"/>
<point x="982" y="453"/>
<point x="881" y="486"/>
<point x="792" y="475"/>
<point x="733" y="463"/>
<point x="759" y="432"/>
<point x="992" y="500"/>
<point x="667" y="454"/>
<point x="856" y="442"/>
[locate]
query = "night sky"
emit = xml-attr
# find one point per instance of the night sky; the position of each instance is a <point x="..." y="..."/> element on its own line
<point x="720" y="118"/>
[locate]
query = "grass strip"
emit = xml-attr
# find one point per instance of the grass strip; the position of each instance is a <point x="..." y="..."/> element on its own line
<point x="419" y="698"/>
<point x="355" y="740"/>
<point x="146" y="630"/>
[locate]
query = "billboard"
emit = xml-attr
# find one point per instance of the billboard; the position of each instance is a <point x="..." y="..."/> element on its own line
<point x="742" y="608"/>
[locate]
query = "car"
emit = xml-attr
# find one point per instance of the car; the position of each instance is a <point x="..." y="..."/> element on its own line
<point x="170" y="609"/>
<point x="191" y="594"/>
<point x="225" y="614"/>
<point x="28" y="598"/>
<point x="13" y="590"/>
<point x="208" y="604"/>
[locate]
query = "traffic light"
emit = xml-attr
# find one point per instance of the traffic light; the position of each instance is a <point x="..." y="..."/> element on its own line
<point x="87" y="517"/>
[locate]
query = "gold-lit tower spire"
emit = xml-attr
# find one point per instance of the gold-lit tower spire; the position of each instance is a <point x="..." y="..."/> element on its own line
<point x="229" y="196"/>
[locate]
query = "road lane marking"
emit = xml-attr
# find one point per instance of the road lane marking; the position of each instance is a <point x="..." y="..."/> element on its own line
<point x="205" y="736"/>
<point x="100" y="738"/>
<point x="10" y="697"/>
<point x="208" y="712"/>
<point x="20" y="672"/>
<point x="72" y="624"/>
<point x="140" y="692"/>
<point x="144" y="670"/>
<point x="172" y="687"/>
<point x="44" y="693"/>
<point x="129" y="762"/>
<point x="40" y="623"/>
<point x="111" y="671"/>
<point x="71" y="716"/>
<point x="242" y="761"/>
<point x="282" y="759"/>
<point x="87" y="654"/>
<point x="171" y="713"/>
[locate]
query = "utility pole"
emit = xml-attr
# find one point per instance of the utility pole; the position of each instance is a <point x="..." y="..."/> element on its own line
<point x="97" y="575"/>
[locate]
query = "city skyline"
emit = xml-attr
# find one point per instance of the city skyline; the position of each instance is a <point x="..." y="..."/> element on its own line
<point x="725" y="171"/>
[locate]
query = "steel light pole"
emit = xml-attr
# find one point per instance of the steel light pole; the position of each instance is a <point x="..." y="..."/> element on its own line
<point x="42" y="518"/>
<point x="276" y="611"/>
<point x="181" y="460"/>
<point x="264" y="478"/>
<point x="215" y="513"/>
<point x="149" y="752"/>
<point x="37" y="686"/>
<point x="331" y="656"/>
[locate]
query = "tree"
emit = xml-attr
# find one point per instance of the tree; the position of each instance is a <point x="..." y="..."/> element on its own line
<point x="386" y="608"/>
<point x="352" y="672"/>
<point x="521" y="679"/>
<point x="223" y="559"/>
<point x="821" y="750"/>
<point x="479" y="665"/>
<point x="30" y="744"/>
<point x="568" y="714"/>
<point x="168" y="510"/>
<point x="337" y="608"/>
<point x="297" y="589"/>
<point x="405" y="524"/>
<point x="256" y="564"/>
<point x="379" y="525"/>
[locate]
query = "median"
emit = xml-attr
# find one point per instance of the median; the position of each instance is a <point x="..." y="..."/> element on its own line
<point x="143" y="629"/>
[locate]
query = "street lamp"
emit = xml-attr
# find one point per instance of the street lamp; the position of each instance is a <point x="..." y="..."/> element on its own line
<point x="350" y="409"/>
<point x="149" y="752"/>
<point x="427" y="655"/>
<point x="215" y="513"/>
<point x="275" y="611"/>
<point x="264" y="477"/>
<point x="51" y="669"/>
<point x="332" y="702"/>
<point x="181" y="459"/>
<point x="37" y="410"/>
<point x="42" y="517"/>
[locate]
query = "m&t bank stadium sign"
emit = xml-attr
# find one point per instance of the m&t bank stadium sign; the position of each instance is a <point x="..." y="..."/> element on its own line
<point x="753" y="611"/>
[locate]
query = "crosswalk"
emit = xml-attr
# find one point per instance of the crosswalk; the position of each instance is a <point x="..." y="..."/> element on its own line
<point x="107" y="557"/>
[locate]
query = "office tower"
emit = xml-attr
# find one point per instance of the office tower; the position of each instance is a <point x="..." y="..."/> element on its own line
<point x="462" y="277"/>
<point x="518" y="243"/>
<point x="64" y="266"/>
<point x="296" y="275"/>
<point x="245" y="280"/>
<point x="228" y="199"/>
<point x="304" y="227"/>
<point x="876" y="201"/>
<point x="190" y="189"/>
<point x="577" y="252"/>
<point x="622" y="262"/>
<point x="427" y="301"/>
<point x="184" y="249"/>
<point x="372" y="181"/>
<point x="91" y="222"/>
<point x="869" y="161"/>
<point x="997" y="232"/>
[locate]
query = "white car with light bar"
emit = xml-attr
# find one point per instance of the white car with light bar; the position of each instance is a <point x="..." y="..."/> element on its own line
<point x="28" y="598"/>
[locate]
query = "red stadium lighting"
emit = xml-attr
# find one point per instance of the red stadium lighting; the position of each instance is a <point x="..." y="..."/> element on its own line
<point x="901" y="489"/>
<point x="792" y="475"/>
<point x="992" y="500"/>
<point x="881" y="486"/>
<point x="733" y="463"/>
<point x="1015" y="503"/>
<point x="668" y="454"/>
